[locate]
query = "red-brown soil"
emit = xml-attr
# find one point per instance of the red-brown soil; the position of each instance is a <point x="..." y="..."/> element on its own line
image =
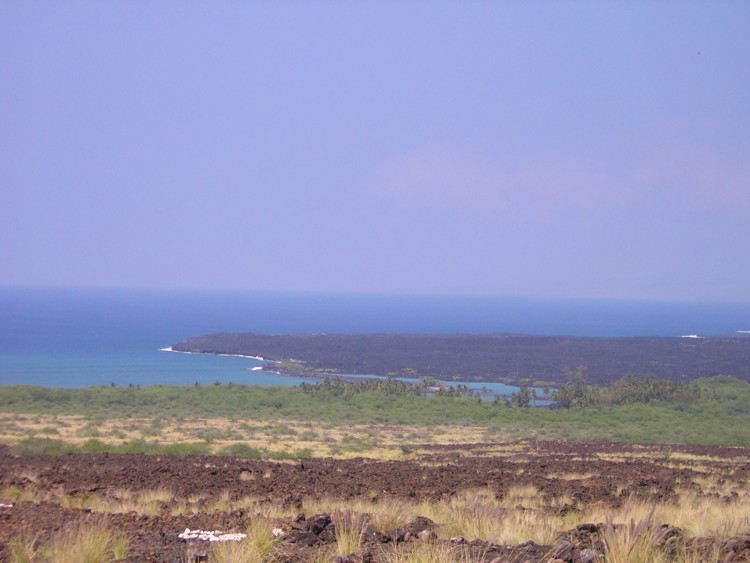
<point x="439" y="472"/>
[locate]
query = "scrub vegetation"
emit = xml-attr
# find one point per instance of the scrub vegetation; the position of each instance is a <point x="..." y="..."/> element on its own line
<point x="710" y="411"/>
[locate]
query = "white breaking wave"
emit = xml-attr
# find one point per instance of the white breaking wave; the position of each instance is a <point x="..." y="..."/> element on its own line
<point x="258" y="358"/>
<point x="691" y="336"/>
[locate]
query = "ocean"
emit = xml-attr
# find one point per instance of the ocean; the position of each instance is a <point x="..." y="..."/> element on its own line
<point x="89" y="337"/>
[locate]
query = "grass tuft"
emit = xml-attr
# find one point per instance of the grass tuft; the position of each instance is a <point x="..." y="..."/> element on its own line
<point x="92" y="542"/>
<point x="257" y="547"/>
<point x="633" y="542"/>
<point x="421" y="553"/>
<point x="23" y="550"/>
<point x="350" y="527"/>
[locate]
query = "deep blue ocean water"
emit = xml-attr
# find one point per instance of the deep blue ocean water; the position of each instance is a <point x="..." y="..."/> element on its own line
<point x="87" y="337"/>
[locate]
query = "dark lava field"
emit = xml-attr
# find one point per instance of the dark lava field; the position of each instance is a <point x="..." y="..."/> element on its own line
<point x="491" y="358"/>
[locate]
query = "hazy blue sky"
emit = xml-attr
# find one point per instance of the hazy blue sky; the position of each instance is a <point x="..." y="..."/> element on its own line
<point x="562" y="149"/>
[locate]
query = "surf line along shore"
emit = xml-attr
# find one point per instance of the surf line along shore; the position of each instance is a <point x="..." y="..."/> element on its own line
<point x="270" y="364"/>
<point x="296" y="369"/>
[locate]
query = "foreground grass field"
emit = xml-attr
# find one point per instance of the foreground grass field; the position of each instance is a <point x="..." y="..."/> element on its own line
<point x="523" y="515"/>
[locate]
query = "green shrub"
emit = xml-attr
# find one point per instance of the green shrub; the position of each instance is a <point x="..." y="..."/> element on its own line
<point x="718" y="414"/>
<point x="294" y="454"/>
<point x="241" y="451"/>
<point x="634" y="389"/>
<point x="40" y="446"/>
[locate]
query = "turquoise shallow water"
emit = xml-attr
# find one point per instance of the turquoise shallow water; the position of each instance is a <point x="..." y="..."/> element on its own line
<point x="145" y="367"/>
<point x="86" y="337"/>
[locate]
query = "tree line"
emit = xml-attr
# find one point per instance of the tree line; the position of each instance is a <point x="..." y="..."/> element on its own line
<point x="576" y="393"/>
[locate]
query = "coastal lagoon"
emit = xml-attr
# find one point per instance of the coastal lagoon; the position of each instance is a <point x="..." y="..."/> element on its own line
<point x="91" y="337"/>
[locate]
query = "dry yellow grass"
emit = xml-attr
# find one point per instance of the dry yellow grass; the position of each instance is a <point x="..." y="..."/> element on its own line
<point x="383" y="515"/>
<point x="571" y="476"/>
<point x="255" y="548"/>
<point x="150" y="502"/>
<point x="350" y="531"/>
<point x="479" y="514"/>
<point x="697" y="515"/>
<point x="474" y="514"/>
<point x="519" y="515"/>
<point x="79" y="542"/>
<point x="423" y="553"/>
<point x="23" y="549"/>
<point x="342" y="442"/>
<point x="633" y="542"/>
<point x="383" y="442"/>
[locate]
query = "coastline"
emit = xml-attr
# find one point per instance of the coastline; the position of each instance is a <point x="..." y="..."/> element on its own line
<point x="81" y="338"/>
<point x="171" y="349"/>
<point x="483" y="359"/>
<point x="501" y="389"/>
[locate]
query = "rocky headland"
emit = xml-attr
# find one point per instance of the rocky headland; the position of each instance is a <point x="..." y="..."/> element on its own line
<point x="506" y="358"/>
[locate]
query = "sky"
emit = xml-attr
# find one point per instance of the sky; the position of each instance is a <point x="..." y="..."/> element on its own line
<point x="521" y="148"/>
